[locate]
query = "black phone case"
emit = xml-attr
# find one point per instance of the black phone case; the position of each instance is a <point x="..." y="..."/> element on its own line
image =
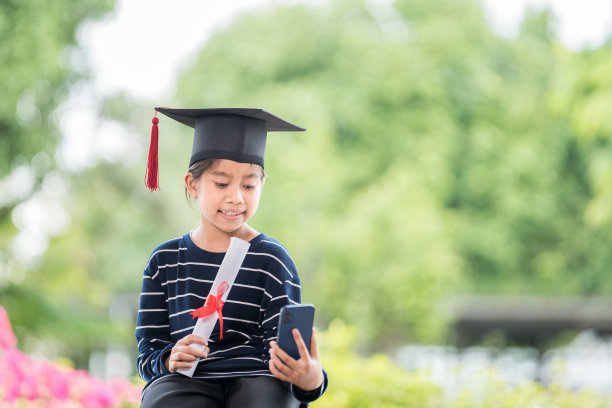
<point x="295" y="316"/>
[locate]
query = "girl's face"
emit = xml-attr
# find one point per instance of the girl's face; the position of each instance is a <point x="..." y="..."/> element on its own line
<point x="228" y="195"/>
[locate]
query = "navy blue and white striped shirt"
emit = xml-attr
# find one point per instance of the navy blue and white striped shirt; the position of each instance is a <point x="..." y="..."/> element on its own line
<point x="176" y="281"/>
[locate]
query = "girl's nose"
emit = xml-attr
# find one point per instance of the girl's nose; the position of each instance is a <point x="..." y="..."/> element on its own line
<point x="234" y="194"/>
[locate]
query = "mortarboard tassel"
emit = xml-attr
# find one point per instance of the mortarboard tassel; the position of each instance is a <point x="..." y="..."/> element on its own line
<point x="152" y="173"/>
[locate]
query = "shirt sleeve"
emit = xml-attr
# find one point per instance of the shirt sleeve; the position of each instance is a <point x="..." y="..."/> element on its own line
<point x="284" y="289"/>
<point x="277" y="294"/>
<point x="309" y="396"/>
<point x="152" y="326"/>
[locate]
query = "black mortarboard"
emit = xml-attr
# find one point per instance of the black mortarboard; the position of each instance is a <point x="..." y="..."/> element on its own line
<point x="237" y="134"/>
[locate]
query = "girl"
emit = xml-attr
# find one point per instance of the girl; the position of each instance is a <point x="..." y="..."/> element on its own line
<point x="241" y="366"/>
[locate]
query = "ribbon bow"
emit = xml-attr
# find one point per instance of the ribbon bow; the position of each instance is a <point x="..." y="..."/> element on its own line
<point x="213" y="304"/>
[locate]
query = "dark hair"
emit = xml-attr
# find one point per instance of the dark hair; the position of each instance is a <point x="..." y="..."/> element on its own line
<point x="198" y="168"/>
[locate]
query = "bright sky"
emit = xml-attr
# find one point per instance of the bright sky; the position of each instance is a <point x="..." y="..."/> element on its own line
<point x="585" y="23"/>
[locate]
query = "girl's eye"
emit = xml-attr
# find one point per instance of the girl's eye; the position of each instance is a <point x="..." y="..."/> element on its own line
<point x="220" y="184"/>
<point x="249" y="186"/>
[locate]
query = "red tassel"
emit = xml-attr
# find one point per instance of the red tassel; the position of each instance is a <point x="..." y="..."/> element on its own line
<point x="152" y="173"/>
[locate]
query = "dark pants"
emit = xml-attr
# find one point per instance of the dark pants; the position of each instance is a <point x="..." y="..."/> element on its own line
<point x="247" y="392"/>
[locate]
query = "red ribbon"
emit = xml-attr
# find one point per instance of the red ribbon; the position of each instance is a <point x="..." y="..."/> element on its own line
<point x="213" y="304"/>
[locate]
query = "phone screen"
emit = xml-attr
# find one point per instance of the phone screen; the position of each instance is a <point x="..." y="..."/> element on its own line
<point x="295" y="316"/>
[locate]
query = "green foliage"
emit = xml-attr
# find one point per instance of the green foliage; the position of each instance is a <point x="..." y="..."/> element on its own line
<point x="72" y="325"/>
<point x="439" y="159"/>
<point x="363" y="222"/>
<point x="492" y="392"/>
<point x="356" y="381"/>
<point x="38" y="42"/>
<point x="374" y="381"/>
<point x="434" y="162"/>
<point x="39" y="56"/>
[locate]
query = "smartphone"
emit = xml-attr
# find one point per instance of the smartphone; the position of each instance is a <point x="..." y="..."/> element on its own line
<point x="295" y="316"/>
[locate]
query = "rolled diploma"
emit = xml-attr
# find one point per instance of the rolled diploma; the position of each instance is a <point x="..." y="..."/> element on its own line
<point x="227" y="272"/>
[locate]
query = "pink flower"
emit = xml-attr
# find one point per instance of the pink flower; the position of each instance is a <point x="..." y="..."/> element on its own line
<point x="128" y="392"/>
<point x="7" y="337"/>
<point x="52" y="381"/>
<point x="25" y="382"/>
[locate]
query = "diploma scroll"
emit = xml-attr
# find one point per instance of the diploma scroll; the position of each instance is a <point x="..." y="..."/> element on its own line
<point x="227" y="274"/>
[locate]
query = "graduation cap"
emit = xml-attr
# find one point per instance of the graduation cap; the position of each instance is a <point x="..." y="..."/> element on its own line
<point x="237" y="134"/>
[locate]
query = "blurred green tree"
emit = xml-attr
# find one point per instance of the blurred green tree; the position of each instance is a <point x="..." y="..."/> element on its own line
<point x="40" y="62"/>
<point x="439" y="159"/>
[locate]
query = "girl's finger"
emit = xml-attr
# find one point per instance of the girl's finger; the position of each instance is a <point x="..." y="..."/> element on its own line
<point x="314" y="349"/>
<point x="180" y="356"/>
<point x="286" y="358"/>
<point x="190" y="350"/>
<point x="175" y="365"/>
<point x="276" y="372"/>
<point x="280" y="365"/>
<point x="190" y="339"/>
<point x="300" y="344"/>
<point x="197" y="353"/>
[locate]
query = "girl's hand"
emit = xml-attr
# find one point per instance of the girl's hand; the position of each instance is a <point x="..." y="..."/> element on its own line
<point x="182" y="355"/>
<point x="306" y="373"/>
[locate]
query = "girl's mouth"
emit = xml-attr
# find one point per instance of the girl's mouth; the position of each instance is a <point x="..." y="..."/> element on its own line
<point x="231" y="213"/>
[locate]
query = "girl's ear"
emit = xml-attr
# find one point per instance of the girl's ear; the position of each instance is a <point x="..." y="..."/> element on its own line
<point x="191" y="185"/>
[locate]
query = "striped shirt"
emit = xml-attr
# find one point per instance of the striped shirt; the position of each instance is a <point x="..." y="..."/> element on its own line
<point x="176" y="281"/>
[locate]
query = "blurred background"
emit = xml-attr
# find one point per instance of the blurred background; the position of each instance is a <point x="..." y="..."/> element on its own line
<point x="449" y="203"/>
